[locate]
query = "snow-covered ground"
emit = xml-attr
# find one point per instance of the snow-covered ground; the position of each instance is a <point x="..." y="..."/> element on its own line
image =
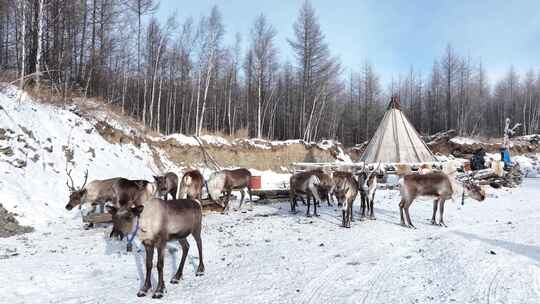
<point x="489" y="254"/>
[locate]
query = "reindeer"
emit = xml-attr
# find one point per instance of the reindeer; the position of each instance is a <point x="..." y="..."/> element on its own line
<point x="191" y="185"/>
<point x="345" y="189"/>
<point x="225" y="181"/>
<point x="367" y="182"/>
<point x="436" y="184"/>
<point x="97" y="192"/>
<point x="126" y="191"/>
<point x="155" y="222"/>
<point x="313" y="183"/>
<point x="167" y="184"/>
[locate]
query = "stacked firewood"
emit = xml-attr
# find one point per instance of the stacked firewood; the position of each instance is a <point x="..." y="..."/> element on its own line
<point x="511" y="177"/>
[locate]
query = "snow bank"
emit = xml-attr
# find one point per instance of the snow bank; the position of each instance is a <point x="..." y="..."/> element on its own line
<point x="464" y="141"/>
<point x="39" y="142"/>
<point x="530" y="166"/>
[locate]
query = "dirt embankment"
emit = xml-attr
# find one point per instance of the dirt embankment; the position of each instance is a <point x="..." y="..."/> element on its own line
<point x="448" y="142"/>
<point x="276" y="158"/>
<point x="9" y="226"/>
<point x="251" y="153"/>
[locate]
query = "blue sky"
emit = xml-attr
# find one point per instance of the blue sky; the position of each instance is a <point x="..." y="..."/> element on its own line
<point x="394" y="34"/>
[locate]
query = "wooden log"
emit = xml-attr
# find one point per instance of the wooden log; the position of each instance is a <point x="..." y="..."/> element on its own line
<point x="97" y="218"/>
<point x="485" y="174"/>
<point x="270" y="194"/>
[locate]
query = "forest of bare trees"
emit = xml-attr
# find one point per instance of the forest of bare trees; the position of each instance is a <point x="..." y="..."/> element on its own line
<point x="179" y="76"/>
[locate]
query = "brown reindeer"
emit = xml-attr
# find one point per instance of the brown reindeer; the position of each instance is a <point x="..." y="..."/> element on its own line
<point x="436" y="184"/>
<point x="116" y="190"/>
<point x="314" y="183"/>
<point x="126" y="191"/>
<point x="167" y="184"/>
<point x="345" y="189"/>
<point x="191" y="185"/>
<point x="225" y="181"/>
<point x="155" y="222"/>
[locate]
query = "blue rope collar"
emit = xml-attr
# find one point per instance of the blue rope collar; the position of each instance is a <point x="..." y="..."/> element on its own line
<point x="132" y="237"/>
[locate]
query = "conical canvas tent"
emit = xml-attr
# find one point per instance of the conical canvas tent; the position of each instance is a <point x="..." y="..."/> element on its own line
<point x="396" y="140"/>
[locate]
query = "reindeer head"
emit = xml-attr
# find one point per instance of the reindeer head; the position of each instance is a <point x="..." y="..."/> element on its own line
<point x="369" y="178"/>
<point x="361" y="177"/>
<point x="76" y="194"/>
<point x="123" y="218"/>
<point x="161" y="184"/>
<point x="474" y="191"/>
<point x="325" y="184"/>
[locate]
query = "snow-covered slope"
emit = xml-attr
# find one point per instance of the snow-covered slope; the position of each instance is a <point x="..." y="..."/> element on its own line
<point x="38" y="141"/>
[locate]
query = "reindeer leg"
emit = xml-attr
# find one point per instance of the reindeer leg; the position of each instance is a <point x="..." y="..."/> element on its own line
<point x="93" y="210"/>
<point x="401" y="205"/>
<point x="372" y="212"/>
<point x="158" y="293"/>
<point x="200" y="268"/>
<point x="226" y="203"/>
<point x="349" y="214"/>
<point x="441" y="212"/>
<point x="173" y="194"/>
<point x="308" y="204"/>
<point x="242" y="195"/>
<point x="433" y="221"/>
<point x="147" y="280"/>
<point x="292" y="199"/>
<point x="185" y="248"/>
<point x="408" y="217"/>
<point x="316" y="203"/>
<point x="363" y="205"/>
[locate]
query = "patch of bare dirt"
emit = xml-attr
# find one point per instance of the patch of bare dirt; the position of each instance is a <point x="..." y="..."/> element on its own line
<point x="9" y="226"/>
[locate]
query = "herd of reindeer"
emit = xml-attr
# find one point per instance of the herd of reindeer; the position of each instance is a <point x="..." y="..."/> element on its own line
<point x="141" y="208"/>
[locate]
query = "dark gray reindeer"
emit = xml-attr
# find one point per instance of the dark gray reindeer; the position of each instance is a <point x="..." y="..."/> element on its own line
<point x="345" y="190"/>
<point x="155" y="222"/>
<point x="225" y="181"/>
<point x="436" y="184"/>
<point x="167" y="184"/>
<point x="367" y="181"/>
<point x="313" y="184"/>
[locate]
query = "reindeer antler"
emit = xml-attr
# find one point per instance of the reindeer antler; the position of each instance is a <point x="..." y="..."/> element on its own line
<point x="85" y="179"/>
<point x="72" y="187"/>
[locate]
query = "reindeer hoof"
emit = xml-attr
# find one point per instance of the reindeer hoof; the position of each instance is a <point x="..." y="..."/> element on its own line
<point x="442" y="224"/>
<point x="175" y="280"/>
<point x="372" y="218"/>
<point x="411" y="226"/>
<point x="141" y="294"/>
<point x="434" y="223"/>
<point x="199" y="273"/>
<point x="157" y="295"/>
